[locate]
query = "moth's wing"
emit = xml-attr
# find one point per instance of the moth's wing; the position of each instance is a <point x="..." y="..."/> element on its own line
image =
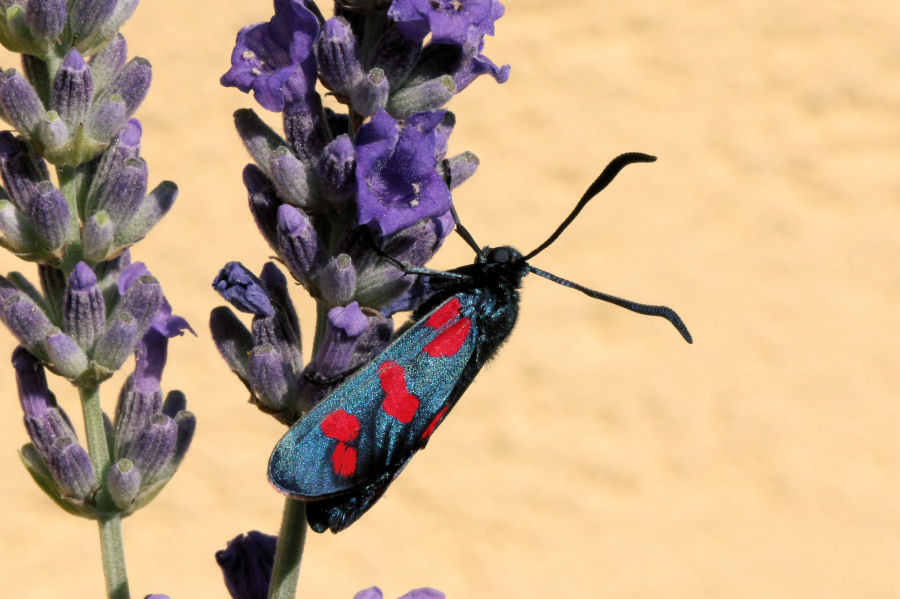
<point x="369" y="427"/>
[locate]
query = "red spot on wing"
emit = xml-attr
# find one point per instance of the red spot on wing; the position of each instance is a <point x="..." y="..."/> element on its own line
<point x="434" y="422"/>
<point x="340" y="425"/>
<point x="444" y="314"/>
<point x="343" y="459"/>
<point x="448" y="342"/>
<point x="398" y="401"/>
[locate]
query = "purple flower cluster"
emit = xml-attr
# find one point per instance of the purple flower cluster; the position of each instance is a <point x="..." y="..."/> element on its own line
<point x="338" y="192"/>
<point x="70" y="108"/>
<point x="150" y="438"/>
<point x="341" y="198"/>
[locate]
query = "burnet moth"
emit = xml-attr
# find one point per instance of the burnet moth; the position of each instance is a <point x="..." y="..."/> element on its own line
<point x="343" y="454"/>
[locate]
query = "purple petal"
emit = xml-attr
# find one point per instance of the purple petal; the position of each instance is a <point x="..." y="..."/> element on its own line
<point x="397" y="181"/>
<point x="275" y="59"/>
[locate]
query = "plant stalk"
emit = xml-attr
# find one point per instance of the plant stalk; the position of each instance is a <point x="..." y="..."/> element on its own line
<point x="291" y="537"/>
<point x="111" y="547"/>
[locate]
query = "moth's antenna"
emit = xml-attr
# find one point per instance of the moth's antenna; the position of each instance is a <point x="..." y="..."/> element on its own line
<point x="609" y="173"/>
<point x="413" y="270"/>
<point x="464" y="232"/>
<point x="663" y="311"/>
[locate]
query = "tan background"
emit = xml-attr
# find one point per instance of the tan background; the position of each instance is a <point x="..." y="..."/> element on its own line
<point x="599" y="456"/>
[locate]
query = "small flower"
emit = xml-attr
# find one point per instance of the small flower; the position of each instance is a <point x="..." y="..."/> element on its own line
<point x="243" y="290"/>
<point x="460" y="22"/>
<point x="275" y="60"/>
<point x="396" y="177"/>
<point x="247" y="564"/>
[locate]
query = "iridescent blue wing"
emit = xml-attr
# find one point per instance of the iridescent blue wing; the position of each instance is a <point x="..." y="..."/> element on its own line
<point x="360" y="436"/>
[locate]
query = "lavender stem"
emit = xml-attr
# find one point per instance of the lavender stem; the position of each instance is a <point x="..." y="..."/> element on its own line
<point x="111" y="547"/>
<point x="291" y="537"/>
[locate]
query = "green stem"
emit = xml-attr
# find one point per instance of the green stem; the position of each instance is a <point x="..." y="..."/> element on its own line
<point x="111" y="547"/>
<point x="291" y="537"/>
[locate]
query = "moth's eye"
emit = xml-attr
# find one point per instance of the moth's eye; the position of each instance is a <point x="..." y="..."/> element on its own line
<point x="500" y="255"/>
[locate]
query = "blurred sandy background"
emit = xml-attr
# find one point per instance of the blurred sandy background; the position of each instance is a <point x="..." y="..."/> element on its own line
<point x="599" y="456"/>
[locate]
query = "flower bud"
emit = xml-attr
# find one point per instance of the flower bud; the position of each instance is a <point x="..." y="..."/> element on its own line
<point x="267" y="377"/>
<point x="459" y="168"/>
<point x="264" y="203"/>
<point x="117" y="343"/>
<point x="150" y="211"/>
<point x="53" y="133"/>
<point x="154" y="446"/>
<point x="277" y="332"/>
<point x="298" y="243"/>
<point x="97" y="237"/>
<point x="142" y="299"/>
<point x="73" y="89"/>
<point x="16" y="233"/>
<point x="46" y="19"/>
<point x="175" y="402"/>
<point x="108" y="62"/>
<point x="187" y="424"/>
<point x="337" y="280"/>
<point x="243" y="290"/>
<point x="123" y="482"/>
<point x="290" y="177"/>
<point x="247" y="564"/>
<point x="65" y="358"/>
<point x="336" y="56"/>
<point x="84" y="311"/>
<point x="344" y="327"/>
<point x="370" y="93"/>
<point x="20" y="105"/>
<point x="86" y="17"/>
<point x="123" y="192"/>
<point x="306" y="131"/>
<point x="336" y="170"/>
<point x="232" y="339"/>
<point x="26" y="321"/>
<point x="131" y="84"/>
<point x="71" y="468"/>
<point x="21" y="169"/>
<point x="134" y="410"/>
<point x="421" y="97"/>
<point x="49" y="215"/>
<point x="34" y="394"/>
<point x="259" y="139"/>
<point x="107" y="119"/>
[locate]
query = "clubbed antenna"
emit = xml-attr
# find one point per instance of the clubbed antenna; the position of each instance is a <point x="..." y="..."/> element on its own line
<point x="609" y="173"/>
<point x="663" y="311"/>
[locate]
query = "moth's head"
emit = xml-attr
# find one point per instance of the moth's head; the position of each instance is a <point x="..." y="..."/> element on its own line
<point x="503" y="254"/>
